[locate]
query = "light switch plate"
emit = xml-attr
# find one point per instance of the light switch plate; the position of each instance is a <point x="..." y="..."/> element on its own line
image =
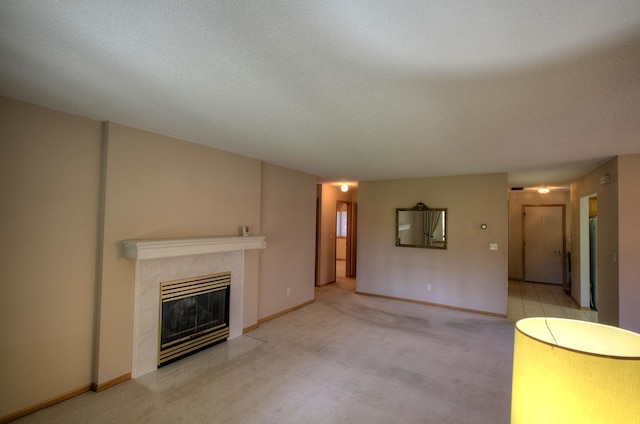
<point x="493" y="246"/>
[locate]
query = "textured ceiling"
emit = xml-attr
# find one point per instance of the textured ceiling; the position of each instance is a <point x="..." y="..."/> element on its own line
<point x="346" y="90"/>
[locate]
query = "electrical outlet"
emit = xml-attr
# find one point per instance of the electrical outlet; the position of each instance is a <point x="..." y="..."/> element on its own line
<point x="288" y="291"/>
<point x="428" y="286"/>
<point x="493" y="246"/>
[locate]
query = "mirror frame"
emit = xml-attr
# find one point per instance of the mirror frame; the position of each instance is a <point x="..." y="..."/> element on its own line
<point x="421" y="207"/>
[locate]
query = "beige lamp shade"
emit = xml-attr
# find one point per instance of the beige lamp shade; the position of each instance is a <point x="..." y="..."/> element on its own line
<point x="567" y="371"/>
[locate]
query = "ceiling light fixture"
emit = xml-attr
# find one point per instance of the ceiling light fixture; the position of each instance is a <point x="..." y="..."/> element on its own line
<point x="543" y="190"/>
<point x="344" y="188"/>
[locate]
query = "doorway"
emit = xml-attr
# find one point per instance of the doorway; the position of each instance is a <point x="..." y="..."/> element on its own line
<point x="543" y="247"/>
<point x="589" y="252"/>
<point x="346" y="234"/>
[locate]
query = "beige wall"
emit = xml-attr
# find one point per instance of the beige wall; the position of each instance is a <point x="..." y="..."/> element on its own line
<point x="158" y="187"/>
<point x="66" y="294"/>
<point x="341" y="248"/>
<point x="629" y="241"/>
<point x="288" y="222"/>
<point x="326" y="272"/>
<point x="466" y="275"/>
<point x="516" y="200"/>
<point x="608" y="312"/>
<point x="49" y="180"/>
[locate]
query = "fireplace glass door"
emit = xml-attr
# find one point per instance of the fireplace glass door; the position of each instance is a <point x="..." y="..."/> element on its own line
<point x="194" y="315"/>
<point x="189" y="317"/>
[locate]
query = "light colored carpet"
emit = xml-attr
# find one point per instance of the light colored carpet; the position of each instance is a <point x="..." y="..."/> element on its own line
<point x="344" y="359"/>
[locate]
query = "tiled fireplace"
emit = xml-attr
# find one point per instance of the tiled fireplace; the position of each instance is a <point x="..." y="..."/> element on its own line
<point x="158" y="261"/>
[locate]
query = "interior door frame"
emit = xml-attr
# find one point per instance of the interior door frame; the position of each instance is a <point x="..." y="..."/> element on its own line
<point x="585" y="259"/>
<point x="351" y="248"/>
<point x="564" y="238"/>
<point x="351" y="237"/>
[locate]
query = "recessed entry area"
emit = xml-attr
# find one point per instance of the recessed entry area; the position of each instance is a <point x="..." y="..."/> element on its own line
<point x="589" y="251"/>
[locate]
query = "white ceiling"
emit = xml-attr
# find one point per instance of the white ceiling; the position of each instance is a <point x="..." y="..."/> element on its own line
<point x="346" y="90"/>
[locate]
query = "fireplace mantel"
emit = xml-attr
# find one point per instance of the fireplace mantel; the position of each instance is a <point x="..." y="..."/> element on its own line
<point x="162" y="260"/>
<point x="167" y="248"/>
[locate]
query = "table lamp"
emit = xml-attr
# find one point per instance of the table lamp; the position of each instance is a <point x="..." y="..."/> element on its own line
<point x="568" y="371"/>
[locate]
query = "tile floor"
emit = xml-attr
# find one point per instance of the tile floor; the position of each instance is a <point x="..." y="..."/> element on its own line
<point x="546" y="300"/>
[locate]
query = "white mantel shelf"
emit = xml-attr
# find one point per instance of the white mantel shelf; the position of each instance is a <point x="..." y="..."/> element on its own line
<point x="167" y="248"/>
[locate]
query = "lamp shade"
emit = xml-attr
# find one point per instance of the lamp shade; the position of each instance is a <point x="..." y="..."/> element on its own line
<point x="567" y="371"/>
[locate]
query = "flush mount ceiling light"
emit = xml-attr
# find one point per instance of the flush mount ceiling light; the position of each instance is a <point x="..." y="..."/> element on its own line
<point x="543" y="190"/>
<point x="344" y="188"/>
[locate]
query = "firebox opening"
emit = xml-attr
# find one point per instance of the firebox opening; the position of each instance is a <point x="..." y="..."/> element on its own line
<point x="194" y="315"/>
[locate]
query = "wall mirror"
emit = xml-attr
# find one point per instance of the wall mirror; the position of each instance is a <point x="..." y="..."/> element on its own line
<point x="421" y="226"/>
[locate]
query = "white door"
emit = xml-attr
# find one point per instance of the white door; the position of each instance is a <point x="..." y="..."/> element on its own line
<point x="543" y="238"/>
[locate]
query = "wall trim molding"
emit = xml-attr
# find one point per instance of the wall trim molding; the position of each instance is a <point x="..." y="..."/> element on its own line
<point x="42" y="405"/>
<point x="439" y="305"/>
<point x="284" y="312"/>
<point x="104" y="386"/>
<point x="250" y="328"/>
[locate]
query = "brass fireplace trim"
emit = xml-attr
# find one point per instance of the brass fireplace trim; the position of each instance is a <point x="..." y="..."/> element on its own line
<point x="183" y="288"/>
<point x="178" y="289"/>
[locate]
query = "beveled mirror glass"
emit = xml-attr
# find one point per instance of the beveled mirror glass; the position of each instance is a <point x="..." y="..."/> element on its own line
<point x="421" y="226"/>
